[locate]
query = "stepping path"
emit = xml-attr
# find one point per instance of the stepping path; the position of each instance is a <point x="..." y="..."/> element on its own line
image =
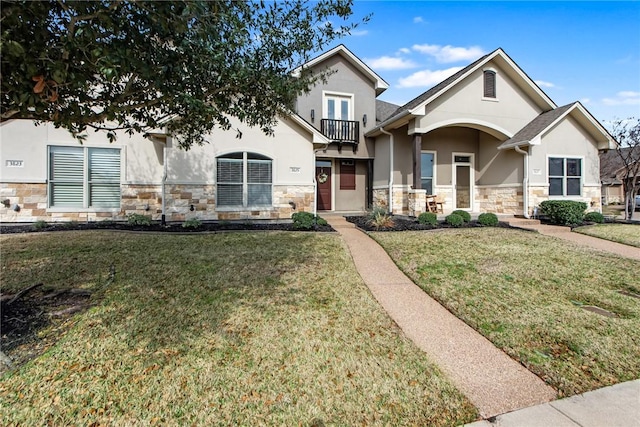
<point x="581" y="239"/>
<point x="490" y="379"/>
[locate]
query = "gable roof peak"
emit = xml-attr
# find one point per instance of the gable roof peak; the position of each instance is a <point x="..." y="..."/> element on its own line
<point x="380" y="84"/>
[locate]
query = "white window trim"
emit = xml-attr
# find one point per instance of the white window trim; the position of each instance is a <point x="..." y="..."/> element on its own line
<point x="472" y="178"/>
<point x="435" y="162"/>
<point x="484" y="98"/>
<point x="245" y="185"/>
<point x="85" y="179"/>
<point x="332" y="94"/>
<point x="564" y="182"/>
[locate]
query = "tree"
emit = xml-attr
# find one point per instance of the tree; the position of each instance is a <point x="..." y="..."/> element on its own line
<point x="140" y="65"/>
<point x="627" y="133"/>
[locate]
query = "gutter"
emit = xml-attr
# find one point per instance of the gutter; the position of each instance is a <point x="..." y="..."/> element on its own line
<point x="390" y="168"/>
<point x="525" y="181"/>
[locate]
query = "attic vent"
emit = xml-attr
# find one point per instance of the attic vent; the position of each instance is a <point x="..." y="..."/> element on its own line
<point x="489" y="84"/>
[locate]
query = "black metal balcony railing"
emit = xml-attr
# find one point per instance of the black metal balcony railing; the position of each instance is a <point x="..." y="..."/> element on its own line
<point x="341" y="131"/>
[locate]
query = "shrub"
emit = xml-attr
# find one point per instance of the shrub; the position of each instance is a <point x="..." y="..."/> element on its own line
<point x="192" y="223"/>
<point x="488" y="219"/>
<point x="306" y="220"/>
<point x="594" y="217"/>
<point x="428" y="218"/>
<point x="138" y="219"/>
<point x="454" y="220"/>
<point x="466" y="216"/>
<point x="40" y="225"/>
<point x="380" y="218"/>
<point x="563" y="212"/>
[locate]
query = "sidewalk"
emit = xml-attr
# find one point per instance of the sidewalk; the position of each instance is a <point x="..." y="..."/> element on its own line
<point x="615" y="406"/>
<point x="496" y="384"/>
<point x="581" y="239"/>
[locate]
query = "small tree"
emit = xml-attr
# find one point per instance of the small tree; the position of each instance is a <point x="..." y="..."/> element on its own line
<point x="627" y="133"/>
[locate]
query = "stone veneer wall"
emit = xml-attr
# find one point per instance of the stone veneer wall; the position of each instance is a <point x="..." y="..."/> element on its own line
<point x="499" y="200"/>
<point x="180" y="199"/>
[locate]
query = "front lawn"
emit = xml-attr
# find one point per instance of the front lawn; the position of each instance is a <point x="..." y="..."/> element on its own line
<point x="222" y="329"/>
<point x="629" y="234"/>
<point x="527" y="293"/>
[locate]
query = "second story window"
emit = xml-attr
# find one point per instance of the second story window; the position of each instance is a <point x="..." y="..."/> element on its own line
<point x="338" y="107"/>
<point x="489" y="77"/>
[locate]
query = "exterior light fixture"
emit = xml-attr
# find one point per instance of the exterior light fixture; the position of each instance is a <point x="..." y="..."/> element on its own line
<point x="364" y="119"/>
<point x="313" y="114"/>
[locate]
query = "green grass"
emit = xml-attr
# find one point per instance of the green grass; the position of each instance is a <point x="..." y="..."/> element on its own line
<point x="524" y="292"/>
<point x="629" y="234"/>
<point x="224" y="329"/>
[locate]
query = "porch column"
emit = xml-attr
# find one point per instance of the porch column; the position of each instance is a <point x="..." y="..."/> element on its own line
<point x="417" y="154"/>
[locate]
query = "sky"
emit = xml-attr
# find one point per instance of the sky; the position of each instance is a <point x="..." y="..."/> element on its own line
<point x="585" y="51"/>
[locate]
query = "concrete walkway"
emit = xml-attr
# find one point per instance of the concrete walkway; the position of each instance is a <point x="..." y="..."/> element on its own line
<point x="490" y="379"/>
<point x="580" y="239"/>
<point x="615" y="406"/>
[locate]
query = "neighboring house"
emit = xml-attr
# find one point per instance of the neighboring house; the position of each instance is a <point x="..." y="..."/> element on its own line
<point x="486" y="139"/>
<point x="612" y="172"/>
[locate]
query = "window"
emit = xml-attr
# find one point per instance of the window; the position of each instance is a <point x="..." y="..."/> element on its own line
<point x="338" y="107"/>
<point x="489" y="84"/>
<point x="243" y="180"/>
<point x="347" y="175"/>
<point x="82" y="177"/>
<point x="426" y="168"/>
<point x="565" y="176"/>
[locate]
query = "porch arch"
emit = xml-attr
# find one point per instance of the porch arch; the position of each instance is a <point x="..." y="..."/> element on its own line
<point x="481" y="125"/>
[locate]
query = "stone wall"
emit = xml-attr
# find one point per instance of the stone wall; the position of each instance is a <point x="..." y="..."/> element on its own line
<point x="182" y="202"/>
<point x="499" y="200"/>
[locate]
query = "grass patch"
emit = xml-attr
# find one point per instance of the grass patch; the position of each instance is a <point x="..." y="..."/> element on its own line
<point x="524" y="292"/>
<point x="224" y="329"/>
<point x="628" y="234"/>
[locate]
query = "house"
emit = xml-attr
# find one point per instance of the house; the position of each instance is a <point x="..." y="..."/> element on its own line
<point x="487" y="139"/>
<point x="612" y="173"/>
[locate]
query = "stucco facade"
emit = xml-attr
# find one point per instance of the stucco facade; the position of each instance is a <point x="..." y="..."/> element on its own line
<point x="487" y="139"/>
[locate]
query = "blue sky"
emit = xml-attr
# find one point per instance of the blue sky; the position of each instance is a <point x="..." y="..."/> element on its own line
<point x="575" y="51"/>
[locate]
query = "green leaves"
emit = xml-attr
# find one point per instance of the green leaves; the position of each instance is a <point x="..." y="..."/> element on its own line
<point x="134" y="63"/>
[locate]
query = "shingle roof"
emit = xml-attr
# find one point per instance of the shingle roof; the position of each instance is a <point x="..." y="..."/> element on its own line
<point x="384" y="110"/>
<point x="440" y="86"/>
<point x="611" y="163"/>
<point x="537" y="125"/>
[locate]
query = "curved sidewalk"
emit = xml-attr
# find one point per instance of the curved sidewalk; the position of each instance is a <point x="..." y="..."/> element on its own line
<point x="581" y="239"/>
<point x="490" y="379"/>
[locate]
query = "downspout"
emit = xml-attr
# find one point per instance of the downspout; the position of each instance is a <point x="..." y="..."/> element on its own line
<point x="390" y="168"/>
<point x="525" y="181"/>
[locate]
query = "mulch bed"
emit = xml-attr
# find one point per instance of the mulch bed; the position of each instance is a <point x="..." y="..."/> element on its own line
<point x="157" y="227"/>
<point x="401" y="223"/>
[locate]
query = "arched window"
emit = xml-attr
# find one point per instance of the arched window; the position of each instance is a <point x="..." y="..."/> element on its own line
<point x="489" y="84"/>
<point x="243" y="180"/>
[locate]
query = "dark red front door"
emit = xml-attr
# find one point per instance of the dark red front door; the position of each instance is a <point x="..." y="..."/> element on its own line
<point x="323" y="178"/>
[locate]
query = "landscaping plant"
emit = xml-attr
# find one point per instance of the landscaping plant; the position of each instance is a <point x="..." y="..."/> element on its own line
<point x="466" y="216"/>
<point x="454" y="220"/>
<point x="428" y="218"/>
<point x="488" y="219"/>
<point x="563" y="212"/>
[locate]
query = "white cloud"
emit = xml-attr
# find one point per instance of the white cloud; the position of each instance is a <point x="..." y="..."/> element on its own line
<point x="445" y="54"/>
<point x="542" y="83"/>
<point x="418" y="19"/>
<point x="585" y="101"/>
<point x="389" y="63"/>
<point x="359" y="33"/>
<point x="404" y="50"/>
<point x="626" y="97"/>
<point x="427" y="78"/>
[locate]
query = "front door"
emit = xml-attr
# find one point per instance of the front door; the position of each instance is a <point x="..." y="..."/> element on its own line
<point x="323" y="178"/>
<point x="463" y="181"/>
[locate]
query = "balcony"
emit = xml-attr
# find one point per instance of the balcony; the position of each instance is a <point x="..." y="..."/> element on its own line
<point x="341" y="131"/>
